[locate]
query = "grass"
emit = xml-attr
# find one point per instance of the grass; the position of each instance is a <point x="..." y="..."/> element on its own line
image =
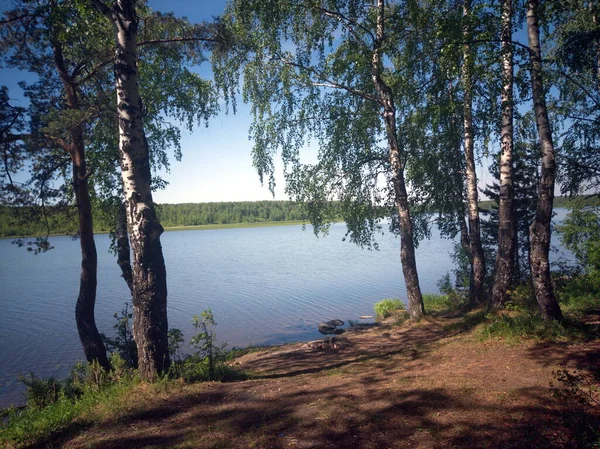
<point x="440" y="303"/>
<point x="515" y="327"/>
<point x="57" y="408"/>
<point x="387" y="307"/>
<point x="34" y="425"/>
<point x="577" y="297"/>
<point x="467" y="322"/>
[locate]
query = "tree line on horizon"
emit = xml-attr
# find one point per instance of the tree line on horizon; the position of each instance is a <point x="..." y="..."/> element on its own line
<point x="64" y="221"/>
<point x="401" y="96"/>
<point x="170" y="215"/>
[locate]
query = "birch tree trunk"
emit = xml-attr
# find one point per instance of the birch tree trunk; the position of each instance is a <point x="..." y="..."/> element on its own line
<point x="150" y="324"/>
<point x="506" y="228"/>
<point x="123" y="248"/>
<point x="476" y="293"/>
<point x="539" y="231"/>
<point x="416" y="308"/>
<point x="92" y="344"/>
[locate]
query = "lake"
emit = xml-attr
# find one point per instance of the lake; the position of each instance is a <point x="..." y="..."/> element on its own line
<point x="264" y="285"/>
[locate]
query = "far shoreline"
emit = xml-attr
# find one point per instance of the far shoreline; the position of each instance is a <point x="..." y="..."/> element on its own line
<point x="207" y="227"/>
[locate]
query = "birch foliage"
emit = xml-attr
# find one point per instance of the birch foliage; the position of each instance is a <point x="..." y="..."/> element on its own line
<point x="326" y="73"/>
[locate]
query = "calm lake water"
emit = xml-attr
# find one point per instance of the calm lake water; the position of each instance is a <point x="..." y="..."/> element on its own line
<point x="264" y="285"/>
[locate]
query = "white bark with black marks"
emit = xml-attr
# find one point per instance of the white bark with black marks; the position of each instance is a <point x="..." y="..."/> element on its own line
<point x="540" y="230"/>
<point x="150" y="324"/>
<point x="505" y="258"/>
<point x="476" y="291"/>
<point x="123" y="248"/>
<point x="416" y="308"/>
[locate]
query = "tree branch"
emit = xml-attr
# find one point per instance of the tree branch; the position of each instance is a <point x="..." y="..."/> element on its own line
<point x="487" y="41"/>
<point x="578" y="84"/>
<point x="103" y="8"/>
<point x="16" y="18"/>
<point x="326" y="82"/>
<point x="176" y="39"/>
<point x="341" y="18"/>
<point x="6" y="169"/>
<point x="111" y="59"/>
<point x="583" y="166"/>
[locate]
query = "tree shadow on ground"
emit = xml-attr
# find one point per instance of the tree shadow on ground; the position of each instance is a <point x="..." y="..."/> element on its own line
<point x="410" y="342"/>
<point x="389" y="389"/>
<point x="338" y="417"/>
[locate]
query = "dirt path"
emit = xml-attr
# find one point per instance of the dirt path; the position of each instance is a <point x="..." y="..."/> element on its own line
<point x="410" y="387"/>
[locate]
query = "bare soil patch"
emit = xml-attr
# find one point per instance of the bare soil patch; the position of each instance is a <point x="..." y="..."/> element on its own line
<point x="414" y="386"/>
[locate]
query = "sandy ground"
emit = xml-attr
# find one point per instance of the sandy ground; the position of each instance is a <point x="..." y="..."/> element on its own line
<point x="414" y="386"/>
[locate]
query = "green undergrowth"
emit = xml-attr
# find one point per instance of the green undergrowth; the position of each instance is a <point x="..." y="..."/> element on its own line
<point x="395" y="308"/>
<point x="388" y="307"/>
<point x="197" y="369"/>
<point x="54" y="406"/>
<point x="515" y="327"/>
<point x="441" y="303"/>
<point x="577" y="296"/>
<point x="580" y="294"/>
<point x="467" y="322"/>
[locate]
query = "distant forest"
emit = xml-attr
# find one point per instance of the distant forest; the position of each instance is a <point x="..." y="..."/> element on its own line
<point x="197" y="214"/>
<point x="16" y="222"/>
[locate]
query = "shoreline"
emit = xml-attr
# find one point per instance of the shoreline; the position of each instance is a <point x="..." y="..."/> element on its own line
<point x="207" y="227"/>
<point x="350" y="327"/>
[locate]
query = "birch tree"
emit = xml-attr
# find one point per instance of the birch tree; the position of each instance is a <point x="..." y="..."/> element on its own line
<point x="540" y="230"/>
<point x="150" y="326"/>
<point x="503" y="272"/>
<point x="302" y="82"/>
<point x="476" y="293"/>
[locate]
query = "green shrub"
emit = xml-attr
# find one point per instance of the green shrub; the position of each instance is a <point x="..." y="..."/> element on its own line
<point x="455" y="297"/>
<point x="175" y="337"/>
<point x="384" y="308"/>
<point x="522" y="299"/>
<point x="195" y="368"/>
<point x="32" y="424"/>
<point x="204" y="341"/>
<point x="123" y="343"/>
<point x="55" y="405"/>
<point x="439" y="303"/>
<point x="83" y="377"/>
<point x="580" y="293"/>
<point x="513" y="328"/>
<point x="41" y="392"/>
<point x="210" y="359"/>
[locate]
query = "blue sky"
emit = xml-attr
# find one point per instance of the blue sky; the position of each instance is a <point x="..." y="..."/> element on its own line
<point x="217" y="161"/>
